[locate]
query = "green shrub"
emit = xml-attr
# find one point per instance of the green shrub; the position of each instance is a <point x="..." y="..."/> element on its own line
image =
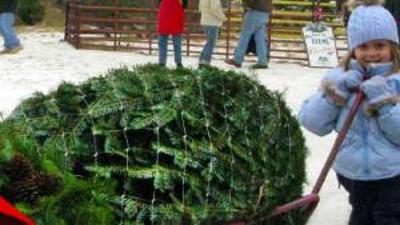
<point x="151" y="145"/>
<point x="31" y="12"/>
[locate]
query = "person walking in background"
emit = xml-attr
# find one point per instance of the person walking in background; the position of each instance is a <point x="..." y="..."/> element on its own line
<point x="7" y="19"/>
<point x="339" y="4"/>
<point x="171" y="22"/>
<point x="345" y="9"/>
<point x="212" y="17"/>
<point x="368" y="163"/>
<point x="255" y="20"/>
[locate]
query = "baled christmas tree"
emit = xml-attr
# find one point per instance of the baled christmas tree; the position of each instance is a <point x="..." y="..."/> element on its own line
<point x="150" y="145"/>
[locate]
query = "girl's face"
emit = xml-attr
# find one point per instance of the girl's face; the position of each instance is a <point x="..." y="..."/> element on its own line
<point x="377" y="51"/>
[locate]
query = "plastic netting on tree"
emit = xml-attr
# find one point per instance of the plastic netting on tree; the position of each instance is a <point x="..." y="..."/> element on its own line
<point x="150" y="145"/>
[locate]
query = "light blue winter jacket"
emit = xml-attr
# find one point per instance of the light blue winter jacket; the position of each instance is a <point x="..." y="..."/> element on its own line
<point x="371" y="149"/>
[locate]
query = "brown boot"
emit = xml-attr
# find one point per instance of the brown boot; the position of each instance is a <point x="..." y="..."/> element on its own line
<point x="233" y="63"/>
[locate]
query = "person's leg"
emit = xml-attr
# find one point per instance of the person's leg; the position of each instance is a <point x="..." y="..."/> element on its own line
<point x="203" y="52"/>
<point x="248" y="28"/>
<point x="361" y="198"/>
<point x="361" y="215"/>
<point x="9" y="34"/>
<point x="212" y="35"/>
<point x="388" y="214"/>
<point x="387" y="210"/>
<point x="177" y="40"/>
<point x="260" y="38"/>
<point x="1" y="29"/>
<point x="162" y="49"/>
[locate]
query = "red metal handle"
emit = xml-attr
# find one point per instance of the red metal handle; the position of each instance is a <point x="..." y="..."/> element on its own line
<point x="338" y="142"/>
<point x="305" y="200"/>
<point x="9" y="215"/>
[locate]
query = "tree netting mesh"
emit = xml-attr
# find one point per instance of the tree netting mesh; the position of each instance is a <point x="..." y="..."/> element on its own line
<point x="149" y="145"/>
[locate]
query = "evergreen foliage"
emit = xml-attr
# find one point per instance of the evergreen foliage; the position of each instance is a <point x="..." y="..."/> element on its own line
<point x="150" y="145"/>
<point x="31" y="12"/>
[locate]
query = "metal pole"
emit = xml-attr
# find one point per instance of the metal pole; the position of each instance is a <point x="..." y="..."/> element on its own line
<point x="67" y="18"/>
<point x="313" y="11"/>
<point x="78" y="25"/>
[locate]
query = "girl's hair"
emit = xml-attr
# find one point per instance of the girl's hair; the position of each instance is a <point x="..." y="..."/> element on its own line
<point x="395" y="50"/>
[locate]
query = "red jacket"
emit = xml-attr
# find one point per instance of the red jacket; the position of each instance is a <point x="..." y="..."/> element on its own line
<point x="11" y="216"/>
<point x="170" y="17"/>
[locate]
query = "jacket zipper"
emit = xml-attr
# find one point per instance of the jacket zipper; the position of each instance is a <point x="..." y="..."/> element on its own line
<point x="364" y="135"/>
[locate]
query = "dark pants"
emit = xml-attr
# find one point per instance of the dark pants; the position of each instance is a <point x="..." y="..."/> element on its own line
<point x="374" y="202"/>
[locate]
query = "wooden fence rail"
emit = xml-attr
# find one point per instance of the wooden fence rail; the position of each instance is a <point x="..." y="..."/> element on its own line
<point x="118" y="28"/>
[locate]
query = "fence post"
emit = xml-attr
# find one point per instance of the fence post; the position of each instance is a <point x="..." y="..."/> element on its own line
<point x="115" y="16"/>
<point x="78" y="24"/>
<point x="187" y="34"/>
<point x="152" y="24"/>
<point x="66" y="25"/>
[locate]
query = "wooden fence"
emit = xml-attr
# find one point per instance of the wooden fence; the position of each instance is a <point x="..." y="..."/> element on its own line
<point x="120" y="28"/>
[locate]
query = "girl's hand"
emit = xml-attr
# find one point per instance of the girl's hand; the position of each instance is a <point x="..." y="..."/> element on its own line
<point x="377" y="89"/>
<point x="340" y="89"/>
<point x="351" y="81"/>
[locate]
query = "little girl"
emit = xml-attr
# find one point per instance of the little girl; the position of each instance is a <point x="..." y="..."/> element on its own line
<point x="368" y="163"/>
<point x="170" y="22"/>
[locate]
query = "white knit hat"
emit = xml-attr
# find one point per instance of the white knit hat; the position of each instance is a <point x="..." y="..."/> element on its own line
<point x="371" y="22"/>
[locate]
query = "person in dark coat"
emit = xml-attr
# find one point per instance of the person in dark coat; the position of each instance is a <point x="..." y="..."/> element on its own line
<point x="251" y="47"/>
<point x="7" y="19"/>
<point x="339" y="4"/>
<point x="393" y="6"/>
<point x="170" y="22"/>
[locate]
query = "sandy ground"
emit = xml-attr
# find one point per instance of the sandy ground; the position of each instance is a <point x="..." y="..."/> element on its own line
<point x="46" y="61"/>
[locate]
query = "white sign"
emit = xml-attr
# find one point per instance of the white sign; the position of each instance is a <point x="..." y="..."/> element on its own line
<point x="320" y="45"/>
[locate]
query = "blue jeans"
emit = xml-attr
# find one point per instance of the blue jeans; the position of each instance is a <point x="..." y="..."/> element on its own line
<point x="7" y="30"/>
<point x="254" y="23"/>
<point x="212" y="35"/>
<point x="163" y="48"/>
